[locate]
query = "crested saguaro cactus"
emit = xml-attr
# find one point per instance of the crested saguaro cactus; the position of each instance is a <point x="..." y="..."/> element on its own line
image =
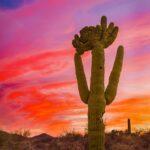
<point x="96" y="39"/>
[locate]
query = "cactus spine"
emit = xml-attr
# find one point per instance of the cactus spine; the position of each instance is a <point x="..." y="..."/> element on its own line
<point x="96" y="39"/>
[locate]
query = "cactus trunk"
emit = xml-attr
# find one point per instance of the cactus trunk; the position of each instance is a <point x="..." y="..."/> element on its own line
<point x="96" y="133"/>
<point x="96" y="102"/>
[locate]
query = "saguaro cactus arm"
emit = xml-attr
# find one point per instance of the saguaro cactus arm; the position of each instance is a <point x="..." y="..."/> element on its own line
<point x="111" y="89"/>
<point x="81" y="78"/>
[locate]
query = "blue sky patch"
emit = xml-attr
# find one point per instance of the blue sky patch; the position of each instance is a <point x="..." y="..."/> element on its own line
<point x="13" y="4"/>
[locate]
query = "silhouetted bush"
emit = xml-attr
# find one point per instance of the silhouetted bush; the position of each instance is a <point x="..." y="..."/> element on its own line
<point x="115" y="140"/>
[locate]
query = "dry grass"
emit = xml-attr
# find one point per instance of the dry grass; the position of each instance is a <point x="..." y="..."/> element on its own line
<point x="115" y="140"/>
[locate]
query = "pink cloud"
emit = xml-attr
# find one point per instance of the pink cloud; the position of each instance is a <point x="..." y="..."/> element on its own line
<point x="50" y="62"/>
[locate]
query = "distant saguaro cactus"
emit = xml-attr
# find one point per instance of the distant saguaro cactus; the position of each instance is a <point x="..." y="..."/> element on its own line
<point x="129" y="126"/>
<point x="96" y="38"/>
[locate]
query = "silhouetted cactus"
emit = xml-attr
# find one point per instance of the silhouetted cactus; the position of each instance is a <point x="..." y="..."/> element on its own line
<point x="129" y="126"/>
<point x="96" y="38"/>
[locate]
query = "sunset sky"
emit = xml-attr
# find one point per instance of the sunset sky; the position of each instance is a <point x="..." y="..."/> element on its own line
<point x="38" y="89"/>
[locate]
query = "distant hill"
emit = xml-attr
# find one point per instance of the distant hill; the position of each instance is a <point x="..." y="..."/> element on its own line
<point x="115" y="140"/>
<point x="42" y="138"/>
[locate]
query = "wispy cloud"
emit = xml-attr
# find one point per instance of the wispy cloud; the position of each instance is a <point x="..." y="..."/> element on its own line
<point x="38" y="87"/>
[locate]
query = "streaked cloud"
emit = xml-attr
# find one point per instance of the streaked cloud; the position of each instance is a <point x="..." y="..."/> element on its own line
<point x="38" y="87"/>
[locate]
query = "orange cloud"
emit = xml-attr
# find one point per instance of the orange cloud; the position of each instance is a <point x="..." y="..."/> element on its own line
<point x="50" y="110"/>
<point x="58" y="85"/>
<point x="58" y="127"/>
<point x="137" y="109"/>
<point x="55" y="112"/>
<point x="15" y="94"/>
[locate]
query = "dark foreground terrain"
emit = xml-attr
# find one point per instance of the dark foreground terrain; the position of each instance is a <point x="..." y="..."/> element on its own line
<point x="116" y="140"/>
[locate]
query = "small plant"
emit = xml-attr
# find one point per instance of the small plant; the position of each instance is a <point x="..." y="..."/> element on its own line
<point x="129" y="126"/>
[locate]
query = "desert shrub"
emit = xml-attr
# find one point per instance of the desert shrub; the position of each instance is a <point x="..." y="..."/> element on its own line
<point x="115" y="140"/>
<point x="146" y="140"/>
<point x="4" y="139"/>
<point x="120" y="146"/>
<point x="24" y="133"/>
<point x="72" y="135"/>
